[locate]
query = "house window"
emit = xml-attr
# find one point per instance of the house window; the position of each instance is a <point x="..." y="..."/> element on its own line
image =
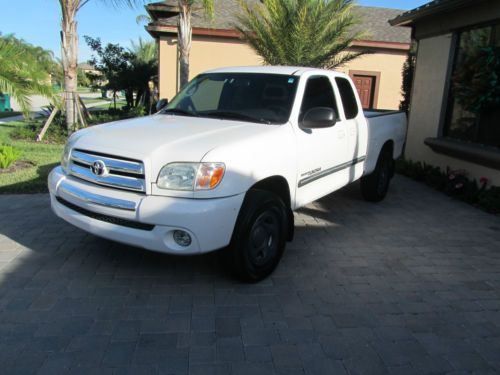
<point x="473" y="111"/>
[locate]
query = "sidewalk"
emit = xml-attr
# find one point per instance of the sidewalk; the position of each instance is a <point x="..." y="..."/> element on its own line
<point x="41" y="113"/>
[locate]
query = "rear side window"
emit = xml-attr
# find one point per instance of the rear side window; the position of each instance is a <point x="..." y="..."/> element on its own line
<point x="318" y="93"/>
<point x="348" y="98"/>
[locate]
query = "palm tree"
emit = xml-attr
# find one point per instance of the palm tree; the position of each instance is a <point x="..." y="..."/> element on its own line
<point x="69" y="46"/>
<point x="143" y="18"/>
<point x="185" y="33"/>
<point x="144" y="66"/>
<point x="144" y="51"/>
<point x="313" y="33"/>
<point x="24" y="71"/>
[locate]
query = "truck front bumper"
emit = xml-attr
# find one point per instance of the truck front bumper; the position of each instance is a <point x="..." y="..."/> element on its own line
<point x="144" y="221"/>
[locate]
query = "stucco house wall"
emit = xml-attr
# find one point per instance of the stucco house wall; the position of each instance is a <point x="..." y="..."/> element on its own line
<point x="217" y="45"/>
<point x="389" y="63"/>
<point x="434" y="64"/>
<point x="209" y="52"/>
<point x="206" y="53"/>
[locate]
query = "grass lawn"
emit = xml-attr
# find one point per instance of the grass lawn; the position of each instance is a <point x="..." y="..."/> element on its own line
<point x="83" y="89"/>
<point x="32" y="179"/>
<point x="9" y="114"/>
<point x="88" y="101"/>
<point x="119" y="104"/>
<point x="30" y="171"/>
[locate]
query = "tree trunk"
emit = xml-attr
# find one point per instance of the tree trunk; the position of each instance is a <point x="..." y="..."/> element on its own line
<point x="69" y="44"/>
<point x="185" y="36"/>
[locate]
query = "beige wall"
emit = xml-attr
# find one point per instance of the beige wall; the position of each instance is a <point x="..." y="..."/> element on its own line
<point x="168" y="68"/>
<point x="390" y="66"/>
<point x="427" y="106"/>
<point x="210" y="52"/>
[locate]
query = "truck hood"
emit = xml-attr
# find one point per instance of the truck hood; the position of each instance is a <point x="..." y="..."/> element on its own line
<point x="161" y="139"/>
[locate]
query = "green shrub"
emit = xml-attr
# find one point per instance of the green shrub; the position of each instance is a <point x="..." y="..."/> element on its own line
<point x="490" y="198"/>
<point x="8" y="155"/>
<point x="453" y="183"/>
<point x="56" y="133"/>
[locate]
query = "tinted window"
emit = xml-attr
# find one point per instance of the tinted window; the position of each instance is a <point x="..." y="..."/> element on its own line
<point x="264" y="98"/>
<point x="208" y="95"/>
<point x="348" y="98"/>
<point x="318" y="93"/>
<point x="473" y="109"/>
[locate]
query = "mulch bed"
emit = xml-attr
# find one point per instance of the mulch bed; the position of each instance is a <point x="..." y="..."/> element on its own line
<point x="18" y="165"/>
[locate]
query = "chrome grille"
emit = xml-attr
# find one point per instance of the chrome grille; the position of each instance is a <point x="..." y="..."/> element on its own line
<point x="119" y="173"/>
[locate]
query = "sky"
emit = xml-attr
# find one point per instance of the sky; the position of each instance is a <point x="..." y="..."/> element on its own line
<point x="38" y="22"/>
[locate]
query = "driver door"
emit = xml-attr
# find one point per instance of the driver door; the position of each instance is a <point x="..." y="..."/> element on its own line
<point x="321" y="152"/>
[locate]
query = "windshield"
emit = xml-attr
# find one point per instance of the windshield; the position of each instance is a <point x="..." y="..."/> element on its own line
<point x="254" y="97"/>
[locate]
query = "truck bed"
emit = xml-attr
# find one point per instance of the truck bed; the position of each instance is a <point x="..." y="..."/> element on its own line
<point x="383" y="126"/>
<point x="371" y="113"/>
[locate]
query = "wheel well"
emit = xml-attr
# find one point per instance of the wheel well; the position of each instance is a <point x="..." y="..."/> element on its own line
<point x="388" y="147"/>
<point x="279" y="186"/>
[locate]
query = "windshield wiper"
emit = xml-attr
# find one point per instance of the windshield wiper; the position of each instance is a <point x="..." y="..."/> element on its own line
<point x="235" y="116"/>
<point x="179" y="111"/>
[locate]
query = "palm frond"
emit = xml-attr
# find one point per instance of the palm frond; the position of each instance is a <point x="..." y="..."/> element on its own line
<point x="315" y="33"/>
<point x="142" y="18"/>
<point x="24" y="71"/>
<point x="123" y="3"/>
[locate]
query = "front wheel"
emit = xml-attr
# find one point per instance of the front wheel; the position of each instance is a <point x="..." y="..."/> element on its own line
<point x="374" y="187"/>
<point x="259" y="237"/>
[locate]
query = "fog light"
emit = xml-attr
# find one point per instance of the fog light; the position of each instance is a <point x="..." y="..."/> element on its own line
<point x="182" y="238"/>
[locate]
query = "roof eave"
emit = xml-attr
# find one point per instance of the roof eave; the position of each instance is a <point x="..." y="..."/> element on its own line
<point x="157" y="30"/>
<point x="162" y="10"/>
<point x="430" y="9"/>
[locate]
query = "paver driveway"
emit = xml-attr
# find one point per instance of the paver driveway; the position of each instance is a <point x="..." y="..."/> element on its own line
<point x="411" y="285"/>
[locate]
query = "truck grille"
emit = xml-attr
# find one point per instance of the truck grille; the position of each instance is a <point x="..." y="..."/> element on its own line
<point x="107" y="170"/>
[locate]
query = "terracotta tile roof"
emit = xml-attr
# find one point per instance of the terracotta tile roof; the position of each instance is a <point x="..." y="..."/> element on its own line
<point x="374" y="20"/>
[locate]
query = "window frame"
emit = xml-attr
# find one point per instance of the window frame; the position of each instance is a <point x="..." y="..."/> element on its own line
<point x="447" y="103"/>
<point x="354" y="91"/>
<point x="334" y="93"/>
<point x="477" y="153"/>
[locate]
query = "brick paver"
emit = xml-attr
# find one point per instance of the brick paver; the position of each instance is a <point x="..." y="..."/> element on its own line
<point x="408" y="286"/>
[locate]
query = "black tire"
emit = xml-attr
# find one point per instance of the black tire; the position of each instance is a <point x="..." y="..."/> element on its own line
<point x="259" y="236"/>
<point x="374" y="187"/>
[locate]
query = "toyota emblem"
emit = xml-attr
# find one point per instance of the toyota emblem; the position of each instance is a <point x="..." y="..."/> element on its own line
<point x="98" y="168"/>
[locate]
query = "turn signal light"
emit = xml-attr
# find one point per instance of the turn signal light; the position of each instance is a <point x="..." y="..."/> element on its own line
<point x="209" y="175"/>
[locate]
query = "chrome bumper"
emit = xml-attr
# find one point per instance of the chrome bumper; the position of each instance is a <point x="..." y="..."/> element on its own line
<point x="99" y="200"/>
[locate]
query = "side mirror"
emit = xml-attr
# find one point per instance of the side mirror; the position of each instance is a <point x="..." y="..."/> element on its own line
<point x="319" y="117"/>
<point x="162" y="103"/>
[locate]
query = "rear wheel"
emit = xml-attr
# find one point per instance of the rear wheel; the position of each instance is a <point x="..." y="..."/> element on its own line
<point x="259" y="237"/>
<point x="374" y="187"/>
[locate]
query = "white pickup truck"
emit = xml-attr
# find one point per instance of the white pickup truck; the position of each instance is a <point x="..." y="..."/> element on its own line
<point x="225" y="163"/>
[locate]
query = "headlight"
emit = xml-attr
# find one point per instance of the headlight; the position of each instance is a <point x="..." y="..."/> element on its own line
<point x="191" y="176"/>
<point x="65" y="157"/>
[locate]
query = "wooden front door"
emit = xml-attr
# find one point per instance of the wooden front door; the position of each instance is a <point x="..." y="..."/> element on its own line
<point x="366" y="89"/>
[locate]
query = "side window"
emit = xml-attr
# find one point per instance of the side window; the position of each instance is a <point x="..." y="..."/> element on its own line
<point x="318" y="93"/>
<point x="348" y="98"/>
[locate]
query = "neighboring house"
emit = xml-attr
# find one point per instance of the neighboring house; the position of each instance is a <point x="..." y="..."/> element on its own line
<point x="87" y="68"/>
<point x="455" y="103"/>
<point x="217" y="44"/>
